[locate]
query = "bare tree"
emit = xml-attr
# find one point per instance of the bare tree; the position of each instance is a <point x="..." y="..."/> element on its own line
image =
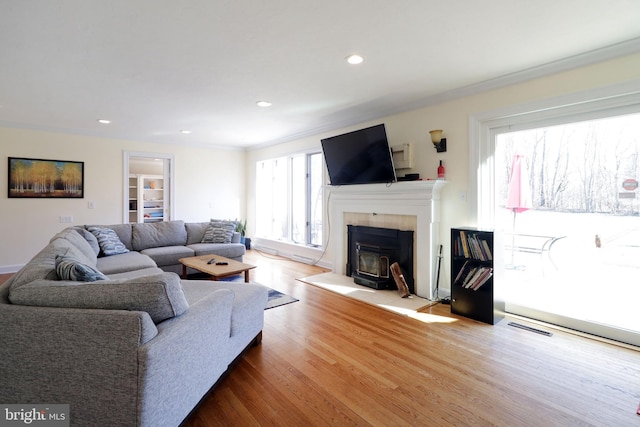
<point x="588" y="172"/>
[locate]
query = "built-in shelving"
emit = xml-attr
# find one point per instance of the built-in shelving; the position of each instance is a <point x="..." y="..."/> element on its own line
<point x="146" y="198"/>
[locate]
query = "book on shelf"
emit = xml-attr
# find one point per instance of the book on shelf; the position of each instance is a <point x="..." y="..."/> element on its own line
<point x="470" y="274"/>
<point x="472" y="245"/>
<point x="455" y="247"/>
<point x="482" y="278"/>
<point x="464" y="272"/>
<point x="473" y="277"/>
<point x="460" y="272"/>
<point x="487" y="250"/>
<point x="465" y="244"/>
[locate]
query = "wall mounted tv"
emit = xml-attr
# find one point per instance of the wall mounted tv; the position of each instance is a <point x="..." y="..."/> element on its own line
<point x="359" y="157"/>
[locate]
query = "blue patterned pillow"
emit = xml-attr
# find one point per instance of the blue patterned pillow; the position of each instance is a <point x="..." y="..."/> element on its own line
<point x="109" y="241"/>
<point x="219" y="231"/>
<point x="69" y="268"/>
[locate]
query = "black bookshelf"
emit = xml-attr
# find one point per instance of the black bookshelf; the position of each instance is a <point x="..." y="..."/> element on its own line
<point x="473" y="271"/>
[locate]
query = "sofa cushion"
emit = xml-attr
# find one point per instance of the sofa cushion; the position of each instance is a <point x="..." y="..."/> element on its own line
<point x="150" y="271"/>
<point x="70" y="268"/>
<point x="90" y="238"/>
<point x="168" y="255"/>
<point x="219" y="231"/>
<point x="124" y="262"/>
<point x="227" y="250"/>
<point x="42" y="265"/>
<point x="157" y="234"/>
<point x="159" y="295"/>
<point x="82" y="248"/>
<point x="247" y="297"/>
<point x="195" y="231"/>
<point x="110" y="243"/>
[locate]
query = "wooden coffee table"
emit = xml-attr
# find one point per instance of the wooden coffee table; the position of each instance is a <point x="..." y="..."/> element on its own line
<point x="216" y="271"/>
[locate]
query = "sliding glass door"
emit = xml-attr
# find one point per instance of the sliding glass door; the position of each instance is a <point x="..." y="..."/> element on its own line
<point x="565" y="197"/>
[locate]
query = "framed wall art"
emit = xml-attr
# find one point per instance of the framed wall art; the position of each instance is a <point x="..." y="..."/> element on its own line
<point x="40" y="178"/>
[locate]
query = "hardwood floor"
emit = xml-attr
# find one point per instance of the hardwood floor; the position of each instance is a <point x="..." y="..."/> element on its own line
<point x="330" y="360"/>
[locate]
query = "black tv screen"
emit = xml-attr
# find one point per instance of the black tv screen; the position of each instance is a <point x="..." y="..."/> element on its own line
<point x="359" y="157"/>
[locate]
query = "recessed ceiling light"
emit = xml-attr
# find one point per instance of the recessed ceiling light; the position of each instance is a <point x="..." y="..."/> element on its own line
<point x="355" y="59"/>
<point x="263" y="104"/>
<point x="185" y="131"/>
<point x="104" y="121"/>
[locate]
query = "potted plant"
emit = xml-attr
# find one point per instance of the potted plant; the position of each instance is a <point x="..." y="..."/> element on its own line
<point x="241" y="227"/>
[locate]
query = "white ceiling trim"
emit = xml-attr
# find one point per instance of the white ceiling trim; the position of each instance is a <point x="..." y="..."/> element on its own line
<point x="599" y="55"/>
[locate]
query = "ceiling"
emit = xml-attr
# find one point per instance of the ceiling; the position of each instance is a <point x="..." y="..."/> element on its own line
<point x="156" y="67"/>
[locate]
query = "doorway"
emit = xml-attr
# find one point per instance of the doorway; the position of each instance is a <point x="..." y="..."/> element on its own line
<point x="148" y="190"/>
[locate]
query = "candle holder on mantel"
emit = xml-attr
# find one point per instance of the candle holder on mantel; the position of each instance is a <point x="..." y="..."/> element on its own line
<point x="439" y="142"/>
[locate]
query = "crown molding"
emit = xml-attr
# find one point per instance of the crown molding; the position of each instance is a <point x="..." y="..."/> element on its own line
<point x="618" y="50"/>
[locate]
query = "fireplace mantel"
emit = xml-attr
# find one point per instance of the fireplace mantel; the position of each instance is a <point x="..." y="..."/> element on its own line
<point x="415" y="198"/>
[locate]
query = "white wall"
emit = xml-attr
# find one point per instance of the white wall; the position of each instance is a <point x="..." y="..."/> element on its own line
<point x="453" y="117"/>
<point x="208" y="183"/>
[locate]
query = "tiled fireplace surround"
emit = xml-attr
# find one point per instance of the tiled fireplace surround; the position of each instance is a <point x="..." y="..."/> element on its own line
<point x="410" y="205"/>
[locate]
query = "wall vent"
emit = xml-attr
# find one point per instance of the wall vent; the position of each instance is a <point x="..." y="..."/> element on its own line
<point x="530" y="329"/>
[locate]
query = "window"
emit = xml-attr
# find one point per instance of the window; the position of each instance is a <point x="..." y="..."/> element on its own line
<point x="289" y="199"/>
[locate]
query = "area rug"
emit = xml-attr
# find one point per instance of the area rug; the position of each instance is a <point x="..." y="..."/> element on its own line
<point x="277" y="298"/>
<point x="388" y="299"/>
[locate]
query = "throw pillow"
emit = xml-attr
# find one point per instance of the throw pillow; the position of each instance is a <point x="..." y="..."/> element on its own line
<point x="219" y="231"/>
<point x="108" y="240"/>
<point x="69" y="268"/>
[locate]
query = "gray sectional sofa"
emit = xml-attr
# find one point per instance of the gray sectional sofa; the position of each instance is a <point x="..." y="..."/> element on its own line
<point x="136" y="347"/>
<point x="165" y="243"/>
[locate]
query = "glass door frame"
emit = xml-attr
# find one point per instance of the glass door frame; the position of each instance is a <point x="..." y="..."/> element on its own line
<point x="483" y="128"/>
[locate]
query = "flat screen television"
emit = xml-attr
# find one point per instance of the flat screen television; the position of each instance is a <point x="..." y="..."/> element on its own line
<point x="359" y="157"/>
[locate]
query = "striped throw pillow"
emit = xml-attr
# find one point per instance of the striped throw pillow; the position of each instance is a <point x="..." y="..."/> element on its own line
<point x="219" y="231"/>
<point x="69" y="268"/>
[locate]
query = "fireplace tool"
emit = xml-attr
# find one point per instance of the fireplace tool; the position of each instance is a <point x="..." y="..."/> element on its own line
<point x="435" y="295"/>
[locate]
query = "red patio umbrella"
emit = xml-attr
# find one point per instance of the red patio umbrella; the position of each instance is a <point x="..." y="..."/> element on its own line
<point x="519" y="194"/>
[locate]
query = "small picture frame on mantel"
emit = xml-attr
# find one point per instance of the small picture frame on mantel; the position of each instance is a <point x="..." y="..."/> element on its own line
<point x="45" y="179"/>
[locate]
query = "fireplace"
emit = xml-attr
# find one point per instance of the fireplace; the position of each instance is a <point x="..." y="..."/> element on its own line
<point x="420" y="199"/>
<point x="372" y="250"/>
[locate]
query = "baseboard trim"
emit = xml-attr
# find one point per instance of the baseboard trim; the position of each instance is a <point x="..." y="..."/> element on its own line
<point x="295" y="252"/>
<point x="7" y="269"/>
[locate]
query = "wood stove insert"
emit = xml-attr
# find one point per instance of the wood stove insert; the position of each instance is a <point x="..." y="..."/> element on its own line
<point x="372" y="250"/>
